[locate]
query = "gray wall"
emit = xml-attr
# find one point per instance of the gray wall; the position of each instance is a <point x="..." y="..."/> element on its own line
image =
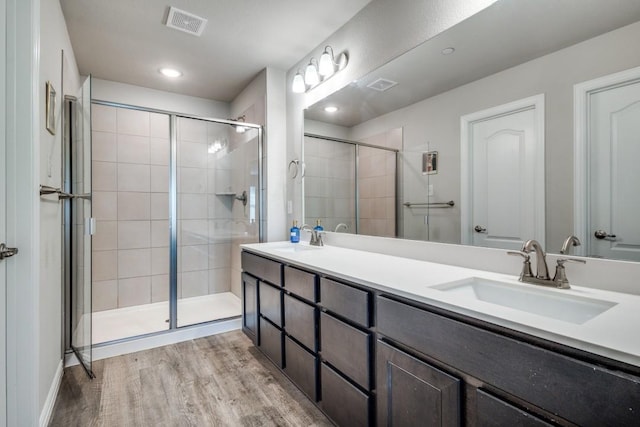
<point x="437" y="120"/>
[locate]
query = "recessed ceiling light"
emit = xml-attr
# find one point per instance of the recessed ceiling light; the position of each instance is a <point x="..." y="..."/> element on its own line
<point x="170" y="72"/>
<point x="331" y="109"/>
<point x="448" y="50"/>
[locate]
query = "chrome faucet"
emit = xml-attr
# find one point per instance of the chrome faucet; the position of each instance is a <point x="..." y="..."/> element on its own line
<point x="316" y="235"/>
<point x="341" y="225"/>
<point x="569" y="241"/>
<point x="542" y="272"/>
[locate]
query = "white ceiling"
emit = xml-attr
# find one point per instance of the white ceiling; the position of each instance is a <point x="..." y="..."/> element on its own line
<point x="126" y="40"/>
<point x="505" y="34"/>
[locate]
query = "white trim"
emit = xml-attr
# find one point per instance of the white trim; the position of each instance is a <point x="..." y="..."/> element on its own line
<point x="466" y="203"/>
<point x="159" y="340"/>
<point x="47" y="410"/>
<point x="581" y="92"/>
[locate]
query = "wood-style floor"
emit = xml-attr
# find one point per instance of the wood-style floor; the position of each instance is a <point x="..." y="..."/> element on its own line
<point x="220" y="380"/>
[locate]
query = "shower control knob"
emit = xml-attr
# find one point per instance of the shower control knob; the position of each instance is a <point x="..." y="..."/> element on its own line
<point x="601" y="234"/>
<point x="480" y="229"/>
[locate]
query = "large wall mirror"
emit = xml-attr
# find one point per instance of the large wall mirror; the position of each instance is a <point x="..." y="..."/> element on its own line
<point x="520" y="122"/>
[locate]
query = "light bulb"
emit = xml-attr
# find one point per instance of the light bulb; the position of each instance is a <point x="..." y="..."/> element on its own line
<point x="298" y="83"/>
<point x="311" y="77"/>
<point x="325" y="66"/>
<point x="170" y="72"/>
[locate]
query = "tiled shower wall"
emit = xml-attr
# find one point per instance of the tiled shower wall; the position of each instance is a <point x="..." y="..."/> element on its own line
<point x="131" y="152"/>
<point x="377" y="195"/>
<point x="130" y="249"/>
<point x="329" y="183"/>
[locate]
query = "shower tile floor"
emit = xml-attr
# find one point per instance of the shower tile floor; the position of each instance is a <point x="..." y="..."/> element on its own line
<point x="110" y="325"/>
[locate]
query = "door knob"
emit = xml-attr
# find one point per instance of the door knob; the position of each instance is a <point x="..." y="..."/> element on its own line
<point x="6" y="252"/>
<point x="601" y="234"/>
<point x="480" y="229"/>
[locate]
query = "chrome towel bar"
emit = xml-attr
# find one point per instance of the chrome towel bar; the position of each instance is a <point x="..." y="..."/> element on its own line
<point x="448" y="204"/>
<point x="46" y="190"/>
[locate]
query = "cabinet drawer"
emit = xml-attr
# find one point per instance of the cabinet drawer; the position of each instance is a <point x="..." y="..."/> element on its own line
<point x="300" y="321"/>
<point x="265" y="269"/>
<point x="345" y="300"/>
<point x="534" y="374"/>
<point x="302" y="367"/>
<point x="301" y="283"/>
<point x="271" y="303"/>
<point x="495" y="412"/>
<point x="342" y="402"/>
<point x="271" y="341"/>
<point x="346" y="348"/>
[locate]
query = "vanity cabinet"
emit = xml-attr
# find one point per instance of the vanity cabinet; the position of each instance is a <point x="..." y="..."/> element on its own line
<point x="368" y="357"/>
<point x="505" y="379"/>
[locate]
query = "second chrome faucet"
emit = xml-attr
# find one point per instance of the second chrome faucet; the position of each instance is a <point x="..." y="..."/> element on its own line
<point x="542" y="271"/>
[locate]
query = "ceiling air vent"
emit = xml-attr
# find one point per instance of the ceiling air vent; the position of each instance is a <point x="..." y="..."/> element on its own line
<point x="382" y="84"/>
<point x="185" y="21"/>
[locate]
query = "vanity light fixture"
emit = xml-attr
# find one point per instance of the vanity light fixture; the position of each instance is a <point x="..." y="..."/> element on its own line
<point x="326" y="66"/>
<point x="317" y="72"/>
<point x="311" y="77"/>
<point x="331" y="109"/>
<point x="298" y="85"/>
<point x="170" y="72"/>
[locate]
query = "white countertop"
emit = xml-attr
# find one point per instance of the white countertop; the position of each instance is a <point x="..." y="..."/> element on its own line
<point x="613" y="333"/>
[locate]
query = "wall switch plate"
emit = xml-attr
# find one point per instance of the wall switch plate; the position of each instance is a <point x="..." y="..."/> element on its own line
<point x="289" y="207"/>
<point x="430" y="190"/>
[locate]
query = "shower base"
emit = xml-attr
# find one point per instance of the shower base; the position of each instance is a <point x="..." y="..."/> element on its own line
<point x="119" y="323"/>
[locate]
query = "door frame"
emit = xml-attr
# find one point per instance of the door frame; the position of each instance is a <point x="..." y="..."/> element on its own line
<point x="536" y="103"/>
<point x="581" y="110"/>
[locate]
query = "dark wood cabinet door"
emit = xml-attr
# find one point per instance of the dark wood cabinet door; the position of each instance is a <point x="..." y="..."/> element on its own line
<point x="302" y="368"/>
<point x="492" y="411"/>
<point x="271" y="303"/>
<point x="250" y="307"/>
<point x="346" y="348"/>
<point x="345" y="404"/>
<point x="271" y="341"/>
<point x="300" y="321"/>
<point x="412" y="392"/>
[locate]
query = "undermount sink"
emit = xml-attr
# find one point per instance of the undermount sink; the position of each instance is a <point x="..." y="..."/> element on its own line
<point x="543" y="302"/>
<point x="294" y="247"/>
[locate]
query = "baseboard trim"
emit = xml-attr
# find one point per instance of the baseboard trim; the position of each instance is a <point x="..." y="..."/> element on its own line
<point x="158" y="340"/>
<point x="47" y="410"/>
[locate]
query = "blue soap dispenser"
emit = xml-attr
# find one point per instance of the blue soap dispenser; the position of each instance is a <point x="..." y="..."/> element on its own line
<point x="318" y="227"/>
<point x="295" y="233"/>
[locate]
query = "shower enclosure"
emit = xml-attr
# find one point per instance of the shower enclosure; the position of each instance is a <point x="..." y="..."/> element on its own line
<point x="173" y="197"/>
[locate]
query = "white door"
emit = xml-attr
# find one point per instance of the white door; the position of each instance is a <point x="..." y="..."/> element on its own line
<point x="613" y="172"/>
<point x="503" y="175"/>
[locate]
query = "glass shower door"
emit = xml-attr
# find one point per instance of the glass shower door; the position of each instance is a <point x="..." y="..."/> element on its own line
<point x="82" y="224"/>
<point x="217" y="179"/>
